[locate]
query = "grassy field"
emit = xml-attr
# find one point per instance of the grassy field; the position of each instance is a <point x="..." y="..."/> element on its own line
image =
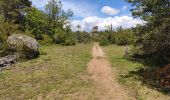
<point x="124" y="67"/>
<point x="60" y="74"/>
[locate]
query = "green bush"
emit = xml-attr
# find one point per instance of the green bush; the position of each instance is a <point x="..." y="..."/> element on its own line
<point x="6" y="29"/>
<point x="124" y="36"/>
<point x="70" y="39"/>
<point x="46" y="39"/>
<point x="104" y="42"/>
<point x="105" y="38"/>
<point x="59" y="36"/>
<point x="83" y="37"/>
<point x="5" y="50"/>
<point x="64" y="37"/>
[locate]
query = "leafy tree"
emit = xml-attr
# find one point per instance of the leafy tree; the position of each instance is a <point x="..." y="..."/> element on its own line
<point x="53" y="9"/>
<point x="154" y="37"/>
<point x="124" y="36"/>
<point x="57" y="19"/>
<point x="35" y="23"/>
<point x="56" y="16"/>
<point x="13" y="10"/>
<point x="120" y="36"/>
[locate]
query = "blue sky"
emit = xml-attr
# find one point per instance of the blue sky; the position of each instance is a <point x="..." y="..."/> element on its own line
<point x="87" y="8"/>
<point x="89" y="13"/>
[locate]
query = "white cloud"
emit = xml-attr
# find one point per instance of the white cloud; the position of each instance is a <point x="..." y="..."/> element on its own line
<point x="124" y="7"/>
<point x="80" y="9"/>
<point x="88" y="22"/>
<point x="109" y="10"/>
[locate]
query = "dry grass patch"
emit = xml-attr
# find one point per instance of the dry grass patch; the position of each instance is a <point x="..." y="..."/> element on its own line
<point x="133" y="82"/>
<point x="59" y="73"/>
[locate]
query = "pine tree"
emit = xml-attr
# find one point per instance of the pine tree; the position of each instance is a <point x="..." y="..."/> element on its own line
<point x="154" y="37"/>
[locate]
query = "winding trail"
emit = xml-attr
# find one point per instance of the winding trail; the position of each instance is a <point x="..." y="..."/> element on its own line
<point x="106" y="85"/>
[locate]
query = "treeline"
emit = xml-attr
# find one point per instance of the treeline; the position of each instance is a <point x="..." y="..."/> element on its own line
<point x="119" y="36"/>
<point x="151" y="42"/>
<point x="152" y="39"/>
<point x="48" y="26"/>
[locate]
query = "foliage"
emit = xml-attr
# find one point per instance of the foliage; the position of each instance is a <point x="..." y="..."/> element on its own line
<point x="120" y="37"/>
<point x="46" y="40"/>
<point x="124" y="36"/>
<point x="56" y="16"/>
<point x="83" y="37"/>
<point x="65" y="37"/>
<point x="104" y="38"/>
<point x="131" y="74"/>
<point x="13" y="10"/>
<point x="35" y="23"/>
<point x="70" y="39"/>
<point x="153" y="38"/>
<point x="49" y="26"/>
<point x="6" y="29"/>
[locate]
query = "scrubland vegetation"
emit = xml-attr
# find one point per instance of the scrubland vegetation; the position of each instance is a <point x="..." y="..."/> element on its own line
<point x="135" y="75"/>
<point x="58" y="74"/>
<point x="138" y="54"/>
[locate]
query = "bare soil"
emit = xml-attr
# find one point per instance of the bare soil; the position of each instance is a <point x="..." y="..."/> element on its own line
<point x="104" y="77"/>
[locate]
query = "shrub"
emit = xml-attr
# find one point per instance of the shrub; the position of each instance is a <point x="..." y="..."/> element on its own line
<point x="46" y="39"/>
<point x="124" y="36"/>
<point x="70" y="39"/>
<point x="64" y="37"/>
<point x="104" y="42"/>
<point x="59" y="36"/>
<point x="83" y="37"/>
<point x="104" y="38"/>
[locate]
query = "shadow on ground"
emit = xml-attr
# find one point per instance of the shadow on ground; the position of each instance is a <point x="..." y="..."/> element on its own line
<point x="153" y="77"/>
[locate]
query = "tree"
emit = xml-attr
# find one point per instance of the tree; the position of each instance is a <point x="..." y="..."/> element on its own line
<point x="57" y="20"/>
<point x="124" y="36"/>
<point x="13" y="9"/>
<point x="78" y="27"/>
<point x="57" y="17"/>
<point x="53" y="9"/>
<point x="35" y="22"/>
<point x="154" y="37"/>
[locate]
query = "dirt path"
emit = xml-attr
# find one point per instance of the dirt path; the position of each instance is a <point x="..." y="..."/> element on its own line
<point x="106" y="85"/>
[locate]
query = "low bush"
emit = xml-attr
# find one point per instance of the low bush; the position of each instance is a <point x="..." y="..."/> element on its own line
<point x="46" y="39"/>
<point x="124" y="36"/>
<point x="69" y="39"/>
<point x="64" y="37"/>
<point x="106" y="38"/>
<point x="83" y="37"/>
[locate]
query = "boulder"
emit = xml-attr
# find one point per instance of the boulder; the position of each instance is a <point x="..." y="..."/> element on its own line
<point x="26" y="46"/>
<point x="7" y="60"/>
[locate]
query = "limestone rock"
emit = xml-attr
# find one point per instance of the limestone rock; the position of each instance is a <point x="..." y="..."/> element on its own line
<point x="26" y="45"/>
<point x="7" y="60"/>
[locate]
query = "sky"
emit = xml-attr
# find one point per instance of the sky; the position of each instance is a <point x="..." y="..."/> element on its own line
<point x="89" y="13"/>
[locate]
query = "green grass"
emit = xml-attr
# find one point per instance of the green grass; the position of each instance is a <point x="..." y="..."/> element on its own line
<point x="61" y="74"/>
<point x="123" y="66"/>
